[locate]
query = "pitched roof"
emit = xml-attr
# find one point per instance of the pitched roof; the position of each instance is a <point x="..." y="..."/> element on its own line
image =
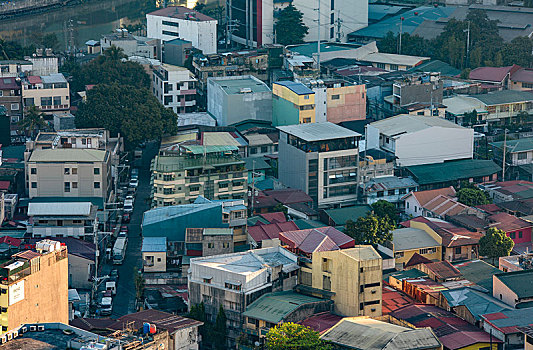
<point x="452" y="235"/>
<point x="316" y="239"/>
<point x="492" y="74"/>
<point x="274" y="217"/>
<point x="275" y="307"/>
<point x="60" y="209"/>
<point x="422" y="197"/>
<point x="479" y="272"/>
<point x="417" y="259"/>
<point x="520" y="282"/>
<point x="405" y="123"/>
<point x="75" y="246"/>
<point x="443" y="269"/>
<point x="90" y="324"/>
<point x="270" y="231"/>
<point x="476" y="302"/>
<point x="11" y="241"/>
<point x="444" y="205"/>
<point x="453" y="170"/>
<point x="524" y="75"/>
<point x="341" y="215"/>
<point x="392" y="300"/>
<point x="181" y="12"/>
<point x="412" y="238"/>
<point x="162" y="320"/>
<point x="321" y="322"/>
<point x="296" y="87"/>
<point x="504" y="96"/>
<point x="289" y="196"/>
<point x="508" y="222"/>
<point x="154" y="244"/>
<point x="520" y="145"/>
<point x="507" y="321"/>
<point x="389" y="182"/>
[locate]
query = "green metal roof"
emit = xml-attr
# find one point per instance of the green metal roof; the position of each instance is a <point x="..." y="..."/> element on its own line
<point x="196" y="149"/>
<point x="479" y="272"/>
<point x="437" y="66"/>
<point x="341" y="215"/>
<point x="521" y="145"/>
<point x="304" y="224"/>
<point x="504" y="96"/>
<point x="96" y="201"/>
<point x="520" y="282"/>
<point x="254" y="219"/>
<point x="275" y="307"/>
<point x="477" y="302"/>
<point x="453" y="170"/>
<point x="407" y="274"/>
<point x="178" y="163"/>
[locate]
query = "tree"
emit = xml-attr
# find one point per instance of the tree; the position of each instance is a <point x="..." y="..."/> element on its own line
<point x="220" y="331"/>
<point x="197" y="312"/>
<point x="281" y="208"/>
<point x="495" y="244"/>
<point x="384" y="209"/>
<point x="518" y="51"/>
<point x="294" y="336"/>
<point x="33" y="121"/>
<point x="11" y="50"/>
<point x="290" y="28"/>
<point x="138" y="280"/>
<point x="114" y="53"/>
<point x="473" y="196"/>
<point x="411" y="45"/>
<point x="134" y="113"/>
<point x="370" y="229"/>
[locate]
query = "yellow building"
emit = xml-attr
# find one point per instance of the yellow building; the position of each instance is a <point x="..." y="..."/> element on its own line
<point x="418" y="238"/>
<point x="292" y="103"/>
<point x="34" y="287"/>
<point x="351" y="277"/>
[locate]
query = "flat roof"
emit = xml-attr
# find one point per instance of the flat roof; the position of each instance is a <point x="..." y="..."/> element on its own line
<point x="181" y="12"/>
<point x="318" y="131"/>
<point x="297" y="88"/>
<point x="235" y="86"/>
<point x="53" y="78"/>
<point x="154" y="245"/>
<point x="412" y="238"/>
<point x="63" y="155"/>
<point x="60" y="209"/>
<point x="520" y="282"/>
<point x="405" y="123"/>
<point x="504" y="96"/>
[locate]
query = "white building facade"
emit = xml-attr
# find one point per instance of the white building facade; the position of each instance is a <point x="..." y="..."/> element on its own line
<point x="174" y="87"/>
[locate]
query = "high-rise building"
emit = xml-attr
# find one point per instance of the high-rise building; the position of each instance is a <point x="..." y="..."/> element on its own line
<point x="174" y="87"/>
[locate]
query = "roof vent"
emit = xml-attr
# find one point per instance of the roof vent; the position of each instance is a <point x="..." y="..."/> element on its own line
<point x="246" y="90"/>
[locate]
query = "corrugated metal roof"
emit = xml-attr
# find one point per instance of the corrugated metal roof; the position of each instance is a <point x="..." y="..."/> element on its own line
<point x="297" y="88"/>
<point x="412" y="238"/>
<point x="405" y="123"/>
<point x="218" y="231"/>
<point x="62" y="155"/>
<point x="453" y="170"/>
<point x="53" y="78"/>
<point x="154" y="245"/>
<point x="60" y="209"/>
<point x="318" y="131"/>
<point x="504" y="96"/>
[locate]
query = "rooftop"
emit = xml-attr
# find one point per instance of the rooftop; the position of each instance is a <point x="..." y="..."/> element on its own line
<point x="53" y="78"/>
<point x="60" y="209"/>
<point x="461" y="104"/>
<point x="270" y="231"/>
<point x="316" y="239"/>
<point x="297" y="88"/>
<point x="504" y="96"/>
<point x="237" y="85"/>
<point x="9" y="84"/>
<point x="289" y="196"/>
<point x="181" y="12"/>
<point x="508" y="222"/>
<point x="389" y="182"/>
<point x="275" y="307"/>
<point x="309" y="49"/>
<point x="478" y="272"/>
<point x="476" y="302"/>
<point x="507" y="321"/>
<point x="154" y="245"/>
<point x="157" y="215"/>
<point x="524" y="75"/>
<point x="520" y="145"/>
<point x="453" y="170"/>
<point x="490" y="74"/>
<point x="437" y="66"/>
<point x="341" y="215"/>
<point x="318" y="131"/>
<point x="423" y="197"/>
<point x="64" y="155"/>
<point x="172" y="163"/>
<point x="321" y="322"/>
<point x="412" y="238"/>
<point x="404" y="123"/>
<point x="162" y="320"/>
<point x="520" y="282"/>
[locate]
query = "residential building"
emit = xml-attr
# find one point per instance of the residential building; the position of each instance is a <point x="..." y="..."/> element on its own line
<point x="209" y="241"/>
<point x="257" y="169"/>
<point x="49" y="93"/>
<point x="517" y="228"/>
<point x="63" y="172"/>
<point x="279" y="307"/>
<point x="389" y="188"/>
<point x="267" y="235"/>
<point x="337" y="217"/>
<point x="180" y="177"/>
<point x="416" y="201"/>
<point x="154" y="254"/>
<point x="416" y="140"/>
<point x="521" y="79"/>
<point x="416" y="239"/>
<point x="528" y="337"/>
<point x="292" y="104"/>
<point x="235" y="99"/>
<point x="234" y="281"/>
<point x="35" y="286"/>
<point x="516" y="262"/>
<point x="64" y="121"/>
<point x="478" y="272"/>
<point x="174" y="87"/>
<point x="331" y="274"/>
<point x="176" y="52"/>
<point x="499" y="77"/>
<point x="321" y="160"/>
<point x="518" y="157"/>
<point x="416" y="90"/>
<point x="260" y="145"/>
<point x="365" y="333"/>
<point x="452" y="173"/>
<point x="131" y="45"/>
<point x="461" y="335"/>
<point x="44" y="62"/>
<point x="62" y="219"/>
<point x="375" y="163"/>
<point x="306" y="242"/>
<point x="14" y="68"/>
<point x="181" y="22"/>
<point x="514" y="288"/>
<point x="505" y="326"/>
<point x="11" y="99"/>
<point x="337" y="100"/>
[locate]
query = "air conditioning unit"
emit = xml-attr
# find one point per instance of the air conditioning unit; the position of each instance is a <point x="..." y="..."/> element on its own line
<point x="40" y="328"/>
<point x="33" y="328"/>
<point x="3" y="339"/>
<point x="9" y="336"/>
<point x="24" y="329"/>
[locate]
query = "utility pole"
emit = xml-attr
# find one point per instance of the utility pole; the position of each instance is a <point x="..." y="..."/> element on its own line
<point x="401" y="31"/>
<point x="247" y="22"/>
<point x="339" y="24"/>
<point x="467" y="44"/>
<point x="318" y="40"/>
<point x="504" y="151"/>
<point x="253" y="186"/>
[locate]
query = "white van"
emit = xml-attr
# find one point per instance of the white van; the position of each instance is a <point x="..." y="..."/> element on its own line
<point x="111" y="286"/>
<point x="128" y="206"/>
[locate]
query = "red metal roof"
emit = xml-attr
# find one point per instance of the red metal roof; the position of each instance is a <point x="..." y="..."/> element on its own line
<point x="9" y="84"/>
<point x="523" y="75"/>
<point x="274" y="217"/>
<point x="181" y="12"/>
<point x="289" y="196"/>
<point x="11" y="241"/>
<point x="321" y="322"/>
<point x="508" y="222"/>
<point x="393" y="300"/>
<point x="33" y="79"/>
<point x="28" y="255"/>
<point x="4" y="185"/>
<point x="417" y="259"/>
<point x="492" y="74"/>
<point x="316" y="239"/>
<point x="443" y="269"/>
<point x="270" y="231"/>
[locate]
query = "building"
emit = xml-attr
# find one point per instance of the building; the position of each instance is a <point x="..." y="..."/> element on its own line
<point x="63" y="172"/>
<point x="176" y="52"/>
<point x="11" y="99"/>
<point x="338" y="217"/>
<point x="292" y="104"/>
<point x="522" y="79"/>
<point x="321" y="160"/>
<point x="516" y="262"/>
<point x="179" y="22"/>
<point x="365" y="333"/>
<point x="279" y="307"/>
<point x="478" y="272"/>
<point x="209" y="241"/>
<point x="35" y="286"/>
<point x="338" y="100"/>
<point x="14" y="68"/>
<point x="214" y="172"/>
<point x="306" y="242"/>
<point x="132" y="45"/>
<point x="389" y="188"/>
<point x="414" y="202"/>
<point x="416" y="140"/>
<point x="154" y="254"/>
<point x="174" y="87"/>
<point x="331" y="274"/>
<point x="234" y="99"/>
<point x="514" y="288"/>
<point x="62" y="219"/>
<point x="234" y="281"/>
<point x="505" y="326"/>
<point x="408" y="241"/>
<point x="267" y="235"/>
<point x="499" y="77"/>
<point x="49" y="93"/>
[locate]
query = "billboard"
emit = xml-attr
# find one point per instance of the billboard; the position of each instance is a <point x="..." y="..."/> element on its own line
<point x="16" y="292"/>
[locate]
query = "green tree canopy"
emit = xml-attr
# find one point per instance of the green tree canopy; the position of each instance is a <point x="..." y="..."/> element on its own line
<point x="495" y="244"/>
<point x="370" y="229"/>
<point x="292" y="336"/>
<point x="133" y="112"/>
<point x="11" y="50"/>
<point x="290" y="27"/>
<point x="411" y="45"/>
<point x="219" y="330"/>
<point x="473" y="196"/>
<point x="384" y="209"/>
<point x="33" y="121"/>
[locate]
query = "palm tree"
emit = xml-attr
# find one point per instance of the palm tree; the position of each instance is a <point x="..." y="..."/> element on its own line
<point x="114" y="53"/>
<point x="33" y="121"/>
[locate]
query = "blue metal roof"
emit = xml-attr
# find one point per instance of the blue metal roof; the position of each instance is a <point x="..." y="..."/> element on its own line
<point x="154" y="245"/>
<point x="297" y="88"/>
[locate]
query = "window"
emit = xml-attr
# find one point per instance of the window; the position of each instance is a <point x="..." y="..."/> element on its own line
<point x="97" y="185"/>
<point x="172" y="24"/>
<point x="427" y="251"/>
<point x="306" y="97"/>
<point x="158" y="259"/>
<point x="332" y="5"/>
<point x="74" y="185"/>
<point x="381" y="65"/>
<point x="222" y="185"/>
<point x="57" y="100"/>
<point x="67" y="171"/>
<point x="332" y="19"/>
<point x="407" y="205"/>
<point x="264" y="149"/>
<point x="331" y="32"/>
<point x="168" y="190"/>
<point x="167" y="177"/>
<point x="403" y="191"/>
<point x="46" y="101"/>
<point x="522" y="155"/>
<point x="512" y="235"/>
<point x="393" y="67"/>
<point x="210" y="245"/>
<point x="15" y="106"/>
<point x="335" y="97"/>
<point x="74" y="171"/>
<point x="391" y="192"/>
<point x="195" y="188"/>
<point x="326" y="282"/>
<point x="166" y="32"/>
<point x="253" y="150"/>
<point x="207" y="280"/>
<point x="225" y="245"/>
<point x="96" y="171"/>
<point x="519" y="234"/>
<point x="29" y="101"/>
<point x="34" y="185"/>
<point x="67" y="186"/>
<point x="84" y="141"/>
<point x="380" y="194"/>
<point x="458" y="250"/>
<point x="33" y="171"/>
<point x="398" y="255"/>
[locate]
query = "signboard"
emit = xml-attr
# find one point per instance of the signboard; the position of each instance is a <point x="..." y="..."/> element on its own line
<point x="16" y="292"/>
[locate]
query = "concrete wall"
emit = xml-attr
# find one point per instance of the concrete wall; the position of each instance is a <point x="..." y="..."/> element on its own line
<point x="293" y="165"/>
<point x="501" y="292"/>
<point x="185" y="339"/>
<point x="351" y="104"/>
<point x="79" y="272"/>
<point x="158" y="260"/>
<point x="216" y="245"/>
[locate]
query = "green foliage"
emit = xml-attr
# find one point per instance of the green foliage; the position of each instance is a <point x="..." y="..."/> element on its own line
<point x="280" y="207"/>
<point x="294" y="336"/>
<point x="384" y="209"/>
<point x="131" y="111"/>
<point x="290" y="28"/>
<point x="139" y="282"/>
<point x="11" y="50"/>
<point x="214" y="334"/>
<point x="370" y="229"/>
<point x="219" y="330"/>
<point x="411" y="45"/>
<point x="473" y="196"/>
<point x="33" y="121"/>
<point x="495" y="244"/>
<point x="197" y="312"/>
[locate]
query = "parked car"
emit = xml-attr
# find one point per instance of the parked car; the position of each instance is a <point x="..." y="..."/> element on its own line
<point x="113" y="275"/>
<point x="126" y="218"/>
<point x="128" y="206"/>
<point x="129" y="197"/>
<point x="134" y="183"/>
<point x="124" y="228"/>
<point x="106" y="306"/>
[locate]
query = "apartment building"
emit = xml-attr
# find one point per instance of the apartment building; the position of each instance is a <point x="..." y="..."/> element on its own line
<point x="49" y="93"/>
<point x="34" y="286"/>
<point x="61" y="219"/>
<point x="350" y="277"/>
<point x="236" y="280"/>
<point x="13" y="68"/>
<point x="235" y="99"/>
<point x="292" y="104"/>
<point x="321" y="160"/>
<point x="132" y="45"/>
<point x="174" y="87"/>
<point x="214" y="172"/>
<point x="416" y="90"/>
<point x="174" y="22"/>
<point x="11" y="99"/>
